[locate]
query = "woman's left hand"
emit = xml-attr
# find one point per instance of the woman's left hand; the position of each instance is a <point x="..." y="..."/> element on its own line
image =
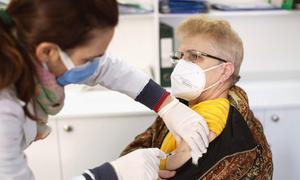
<point x="186" y="124"/>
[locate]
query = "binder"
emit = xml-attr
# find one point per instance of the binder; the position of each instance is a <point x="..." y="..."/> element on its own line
<point x="166" y="46"/>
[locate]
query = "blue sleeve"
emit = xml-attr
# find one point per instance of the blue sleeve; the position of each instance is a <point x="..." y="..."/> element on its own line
<point x="103" y="172"/>
<point x="152" y="95"/>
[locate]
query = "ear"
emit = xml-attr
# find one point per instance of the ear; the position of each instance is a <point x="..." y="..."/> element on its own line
<point x="228" y="71"/>
<point x="45" y="52"/>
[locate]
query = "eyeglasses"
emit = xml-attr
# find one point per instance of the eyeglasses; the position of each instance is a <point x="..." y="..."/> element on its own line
<point x="192" y="55"/>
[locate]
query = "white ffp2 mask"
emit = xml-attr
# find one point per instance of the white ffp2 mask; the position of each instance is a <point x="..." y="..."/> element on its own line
<point x="188" y="80"/>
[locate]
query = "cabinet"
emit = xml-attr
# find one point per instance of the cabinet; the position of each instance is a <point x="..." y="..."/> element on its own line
<point x="88" y="142"/>
<point x="282" y="131"/>
<point x="281" y="127"/>
<point x="78" y="144"/>
<point x="43" y="156"/>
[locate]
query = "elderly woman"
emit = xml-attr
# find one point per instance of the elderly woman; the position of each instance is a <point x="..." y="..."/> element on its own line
<point x="207" y="67"/>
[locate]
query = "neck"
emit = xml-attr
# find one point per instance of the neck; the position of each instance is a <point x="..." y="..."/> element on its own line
<point x="219" y="91"/>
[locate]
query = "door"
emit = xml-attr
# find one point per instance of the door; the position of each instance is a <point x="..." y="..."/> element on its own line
<point x="89" y="142"/>
<point x="283" y="131"/>
<point x="260" y="115"/>
<point x="43" y="156"/>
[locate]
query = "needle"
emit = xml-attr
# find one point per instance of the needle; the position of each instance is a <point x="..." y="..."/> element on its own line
<point x="171" y="154"/>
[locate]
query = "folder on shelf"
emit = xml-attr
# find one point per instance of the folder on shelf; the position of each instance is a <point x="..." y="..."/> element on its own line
<point x="183" y="6"/>
<point x="244" y="6"/>
<point x="131" y="8"/>
<point x="166" y="46"/>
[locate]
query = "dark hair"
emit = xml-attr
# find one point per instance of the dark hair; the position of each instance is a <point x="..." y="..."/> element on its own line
<point x="66" y="23"/>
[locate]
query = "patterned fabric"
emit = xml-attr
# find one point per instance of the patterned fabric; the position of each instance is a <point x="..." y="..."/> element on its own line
<point x="49" y="100"/>
<point x="255" y="164"/>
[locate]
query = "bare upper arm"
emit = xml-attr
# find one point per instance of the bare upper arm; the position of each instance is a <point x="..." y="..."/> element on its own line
<point x="182" y="154"/>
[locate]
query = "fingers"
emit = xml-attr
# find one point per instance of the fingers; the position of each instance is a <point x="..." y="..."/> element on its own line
<point x="152" y="163"/>
<point x="204" y="125"/>
<point x="151" y="171"/>
<point x="150" y="176"/>
<point x="152" y="158"/>
<point x="197" y="146"/>
<point x="194" y="147"/>
<point x="195" y="157"/>
<point x="164" y="174"/>
<point x="201" y="148"/>
<point x="203" y="139"/>
<point x="158" y="153"/>
<point x="199" y="143"/>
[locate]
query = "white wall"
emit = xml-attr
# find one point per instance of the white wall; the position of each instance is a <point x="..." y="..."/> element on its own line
<point x="271" y="40"/>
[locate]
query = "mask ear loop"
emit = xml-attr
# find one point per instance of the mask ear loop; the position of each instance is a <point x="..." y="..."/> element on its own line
<point x="65" y="58"/>
<point x="214" y="67"/>
<point x="45" y="66"/>
<point x="216" y="83"/>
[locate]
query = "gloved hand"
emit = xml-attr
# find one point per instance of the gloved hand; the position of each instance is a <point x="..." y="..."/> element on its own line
<point x="78" y="178"/>
<point x="139" y="164"/>
<point x="186" y="124"/>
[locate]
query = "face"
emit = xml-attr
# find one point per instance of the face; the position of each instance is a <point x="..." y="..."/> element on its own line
<point x="203" y="44"/>
<point x="96" y="47"/>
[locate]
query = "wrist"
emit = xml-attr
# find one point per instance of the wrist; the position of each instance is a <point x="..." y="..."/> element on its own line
<point x="167" y="100"/>
<point x="170" y="103"/>
<point x="116" y="169"/>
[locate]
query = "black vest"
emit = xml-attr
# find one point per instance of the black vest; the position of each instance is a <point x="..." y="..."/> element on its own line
<point x="236" y="137"/>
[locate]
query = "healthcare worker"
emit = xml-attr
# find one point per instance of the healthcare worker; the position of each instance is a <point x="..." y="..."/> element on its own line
<point x="48" y="44"/>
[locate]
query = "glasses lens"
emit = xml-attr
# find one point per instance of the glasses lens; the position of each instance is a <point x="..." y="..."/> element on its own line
<point x="176" y="56"/>
<point x="192" y="55"/>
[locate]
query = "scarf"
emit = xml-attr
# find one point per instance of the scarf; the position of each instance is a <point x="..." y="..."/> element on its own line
<point x="49" y="100"/>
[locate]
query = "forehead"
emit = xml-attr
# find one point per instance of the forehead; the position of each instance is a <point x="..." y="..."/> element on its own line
<point x="197" y="42"/>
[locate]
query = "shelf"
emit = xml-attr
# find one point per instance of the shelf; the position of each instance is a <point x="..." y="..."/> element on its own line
<point x="137" y="16"/>
<point x="235" y="13"/>
<point x="180" y="15"/>
<point x="254" y="13"/>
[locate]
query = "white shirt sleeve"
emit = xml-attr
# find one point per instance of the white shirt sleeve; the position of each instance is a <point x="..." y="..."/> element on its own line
<point x="117" y="75"/>
<point x="13" y="164"/>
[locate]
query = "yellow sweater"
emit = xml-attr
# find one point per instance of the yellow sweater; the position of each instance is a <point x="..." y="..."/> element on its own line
<point x="215" y="114"/>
